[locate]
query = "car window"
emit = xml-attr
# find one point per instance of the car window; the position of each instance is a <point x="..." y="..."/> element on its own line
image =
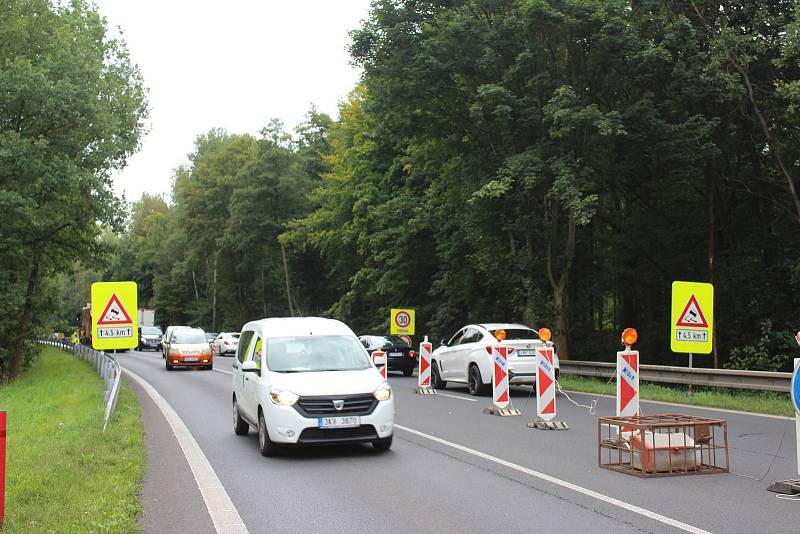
<point x="315" y="353"/>
<point x="456" y="339"/>
<point x="509" y="334"/>
<point x="471" y="336"/>
<point x="256" y="350"/>
<point x="189" y="336"/>
<point x="244" y="343"/>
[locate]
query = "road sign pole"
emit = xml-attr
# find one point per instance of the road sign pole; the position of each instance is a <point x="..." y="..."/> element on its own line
<point x="796" y="386"/>
<point x="690" y="366"/>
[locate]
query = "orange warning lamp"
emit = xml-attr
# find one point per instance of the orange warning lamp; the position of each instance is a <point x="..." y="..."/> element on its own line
<point x="545" y="334"/>
<point x="500" y="334"/>
<point x="629" y="336"/>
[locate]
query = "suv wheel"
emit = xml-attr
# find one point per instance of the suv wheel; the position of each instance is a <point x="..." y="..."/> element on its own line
<point x="408" y="372"/>
<point x="168" y="365"/>
<point x="265" y="445"/>
<point x="475" y="382"/>
<point x="240" y="426"/>
<point x="436" y="377"/>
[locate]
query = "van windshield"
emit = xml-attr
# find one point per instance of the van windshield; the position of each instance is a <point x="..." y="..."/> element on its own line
<point x="315" y="353"/>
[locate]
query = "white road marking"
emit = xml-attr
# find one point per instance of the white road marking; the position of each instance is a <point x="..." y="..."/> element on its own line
<point x="563" y="483"/>
<point x="457" y="397"/>
<point x="223" y="513"/>
<point x="221" y="371"/>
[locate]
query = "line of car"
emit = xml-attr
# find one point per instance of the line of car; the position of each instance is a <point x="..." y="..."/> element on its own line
<point x="311" y="381"/>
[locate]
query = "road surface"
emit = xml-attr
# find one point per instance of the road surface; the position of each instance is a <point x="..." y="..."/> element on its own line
<point x="451" y="469"/>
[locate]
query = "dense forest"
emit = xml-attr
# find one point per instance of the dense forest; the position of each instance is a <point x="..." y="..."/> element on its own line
<point x="554" y="162"/>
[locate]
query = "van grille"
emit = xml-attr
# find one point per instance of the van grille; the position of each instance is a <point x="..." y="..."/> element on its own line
<point x="362" y="404"/>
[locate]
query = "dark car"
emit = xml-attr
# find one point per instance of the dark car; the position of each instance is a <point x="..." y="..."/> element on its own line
<point x="399" y="355"/>
<point x="150" y="338"/>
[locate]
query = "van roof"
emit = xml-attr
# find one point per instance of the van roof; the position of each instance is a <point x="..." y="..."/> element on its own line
<point x="299" y="326"/>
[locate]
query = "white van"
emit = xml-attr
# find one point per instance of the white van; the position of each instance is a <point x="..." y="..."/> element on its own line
<point x="308" y="381"/>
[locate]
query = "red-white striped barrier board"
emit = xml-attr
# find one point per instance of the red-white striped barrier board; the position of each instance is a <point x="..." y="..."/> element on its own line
<point x="383" y="368"/>
<point x="500" y="395"/>
<point x="628" y="383"/>
<point x="545" y="384"/>
<point x="424" y="379"/>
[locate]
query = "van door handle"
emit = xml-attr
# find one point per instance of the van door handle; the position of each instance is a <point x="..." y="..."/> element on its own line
<point x="235" y="366"/>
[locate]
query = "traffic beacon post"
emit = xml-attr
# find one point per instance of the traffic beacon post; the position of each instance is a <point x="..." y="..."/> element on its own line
<point x="379" y="358"/>
<point x="501" y="397"/>
<point x="628" y="376"/>
<point x="424" y="378"/>
<point x="546" y="385"/>
<point x="792" y="486"/>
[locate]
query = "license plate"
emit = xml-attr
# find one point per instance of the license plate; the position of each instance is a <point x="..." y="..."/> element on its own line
<point x="339" y="422"/>
<point x="526" y="352"/>
<point x="395" y="354"/>
<point x="190" y="359"/>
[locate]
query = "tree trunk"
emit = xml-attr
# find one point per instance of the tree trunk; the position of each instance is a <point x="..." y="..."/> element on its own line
<point x="263" y="292"/>
<point x="214" y="296"/>
<point x="286" y="278"/>
<point x="560" y="285"/>
<point x="194" y="284"/>
<point x="712" y="246"/>
<point x="15" y="364"/>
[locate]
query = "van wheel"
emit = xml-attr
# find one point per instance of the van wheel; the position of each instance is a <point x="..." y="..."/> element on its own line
<point x="265" y="445"/>
<point x="475" y="382"/>
<point x="436" y="377"/>
<point x="240" y="426"/>
<point x="383" y="444"/>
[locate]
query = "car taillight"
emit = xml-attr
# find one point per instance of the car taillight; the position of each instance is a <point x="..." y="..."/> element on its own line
<point x="412" y="353"/>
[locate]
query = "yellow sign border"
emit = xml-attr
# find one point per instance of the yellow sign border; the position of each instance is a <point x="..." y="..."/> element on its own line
<point x="395" y="329"/>
<point x="127" y="294"/>
<point x="681" y="294"/>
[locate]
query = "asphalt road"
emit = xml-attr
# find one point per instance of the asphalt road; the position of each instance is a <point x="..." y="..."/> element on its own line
<point x="451" y="469"/>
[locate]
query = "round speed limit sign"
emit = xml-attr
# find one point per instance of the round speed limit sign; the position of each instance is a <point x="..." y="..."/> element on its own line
<point x="403" y="319"/>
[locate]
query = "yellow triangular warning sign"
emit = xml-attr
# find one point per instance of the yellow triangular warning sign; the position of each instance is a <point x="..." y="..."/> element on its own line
<point x="692" y="315"/>
<point x="114" y="313"/>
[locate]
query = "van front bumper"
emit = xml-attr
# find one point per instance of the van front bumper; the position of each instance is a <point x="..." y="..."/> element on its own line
<point x="286" y="425"/>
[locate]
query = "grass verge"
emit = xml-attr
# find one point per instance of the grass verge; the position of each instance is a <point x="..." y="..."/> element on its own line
<point x="765" y="402"/>
<point x="64" y="474"/>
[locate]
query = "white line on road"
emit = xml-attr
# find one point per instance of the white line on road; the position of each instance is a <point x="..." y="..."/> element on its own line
<point x="221" y="371"/>
<point x="219" y="505"/>
<point x="563" y="483"/>
<point x="457" y="397"/>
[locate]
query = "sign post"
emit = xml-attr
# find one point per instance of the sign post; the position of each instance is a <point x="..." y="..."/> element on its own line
<point x="692" y="319"/>
<point x="796" y="403"/>
<point x="545" y="384"/>
<point x="114" y="320"/>
<point x="628" y="383"/>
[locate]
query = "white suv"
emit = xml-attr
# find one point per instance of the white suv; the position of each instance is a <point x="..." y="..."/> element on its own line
<point x="308" y="381"/>
<point x="467" y="357"/>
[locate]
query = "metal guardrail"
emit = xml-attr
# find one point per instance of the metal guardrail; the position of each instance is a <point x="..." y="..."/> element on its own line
<point x="722" y="378"/>
<point x="105" y="365"/>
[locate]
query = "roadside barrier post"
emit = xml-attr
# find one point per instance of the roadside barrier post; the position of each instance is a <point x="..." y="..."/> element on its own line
<point x="501" y="397"/>
<point x="628" y="376"/>
<point x="424" y="378"/>
<point x="546" y="390"/>
<point x="379" y="357"/>
<point x="2" y="466"/>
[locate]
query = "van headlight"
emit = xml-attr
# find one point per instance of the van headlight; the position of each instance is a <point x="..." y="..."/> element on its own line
<point x="282" y="397"/>
<point x="384" y="392"/>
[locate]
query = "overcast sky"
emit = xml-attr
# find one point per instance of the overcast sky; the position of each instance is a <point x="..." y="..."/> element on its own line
<point x="232" y="64"/>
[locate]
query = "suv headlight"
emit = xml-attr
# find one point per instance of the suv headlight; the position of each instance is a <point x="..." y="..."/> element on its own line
<point x="384" y="392"/>
<point x="282" y="397"/>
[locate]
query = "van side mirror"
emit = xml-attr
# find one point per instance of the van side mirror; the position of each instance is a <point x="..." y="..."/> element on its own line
<point x="443" y="343"/>
<point x="250" y="367"/>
